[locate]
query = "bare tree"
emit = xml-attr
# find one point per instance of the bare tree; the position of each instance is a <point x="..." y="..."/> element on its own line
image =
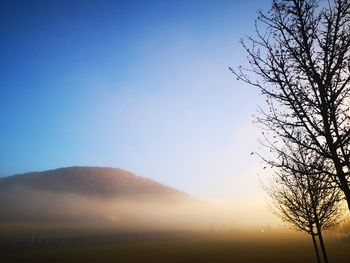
<point x="300" y="60"/>
<point x="303" y="198"/>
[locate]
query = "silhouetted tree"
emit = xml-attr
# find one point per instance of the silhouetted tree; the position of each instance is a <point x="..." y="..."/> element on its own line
<point x="300" y="60"/>
<point x="302" y="197"/>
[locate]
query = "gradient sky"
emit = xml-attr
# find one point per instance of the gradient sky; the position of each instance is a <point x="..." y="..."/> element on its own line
<point x="140" y="85"/>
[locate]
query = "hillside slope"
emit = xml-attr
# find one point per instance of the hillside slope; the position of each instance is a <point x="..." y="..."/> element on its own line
<point x="85" y="194"/>
<point x="91" y="181"/>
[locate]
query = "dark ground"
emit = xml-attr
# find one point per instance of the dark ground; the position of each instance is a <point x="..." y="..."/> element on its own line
<point x="79" y="244"/>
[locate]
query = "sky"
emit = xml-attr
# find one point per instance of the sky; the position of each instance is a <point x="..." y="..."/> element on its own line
<point x="139" y="85"/>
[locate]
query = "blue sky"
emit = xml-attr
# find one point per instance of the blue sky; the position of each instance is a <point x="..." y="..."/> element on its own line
<point x="140" y="85"/>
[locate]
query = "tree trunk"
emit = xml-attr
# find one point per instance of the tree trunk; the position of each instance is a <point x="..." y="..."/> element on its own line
<point x="315" y="247"/>
<point x="345" y="188"/>
<point x="344" y="184"/>
<point x="317" y="223"/>
<point x="323" y="248"/>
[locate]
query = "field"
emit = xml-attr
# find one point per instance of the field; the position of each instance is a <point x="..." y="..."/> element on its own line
<point x="79" y="244"/>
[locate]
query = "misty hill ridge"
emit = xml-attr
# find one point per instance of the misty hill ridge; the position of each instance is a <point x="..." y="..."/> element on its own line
<point x="87" y="181"/>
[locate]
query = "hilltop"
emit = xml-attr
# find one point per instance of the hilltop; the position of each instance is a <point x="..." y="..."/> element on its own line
<point x="91" y="181"/>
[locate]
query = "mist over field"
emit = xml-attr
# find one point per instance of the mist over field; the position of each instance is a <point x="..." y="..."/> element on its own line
<point x="94" y="214"/>
<point x="107" y="196"/>
<point x="28" y="205"/>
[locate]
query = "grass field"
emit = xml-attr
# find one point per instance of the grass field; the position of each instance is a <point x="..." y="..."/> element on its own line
<point x="78" y="245"/>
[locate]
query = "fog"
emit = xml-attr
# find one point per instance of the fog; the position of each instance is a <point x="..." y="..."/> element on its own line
<point x="24" y="204"/>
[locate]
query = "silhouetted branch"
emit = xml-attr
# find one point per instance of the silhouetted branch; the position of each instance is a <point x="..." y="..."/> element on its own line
<point x="300" y="61"/>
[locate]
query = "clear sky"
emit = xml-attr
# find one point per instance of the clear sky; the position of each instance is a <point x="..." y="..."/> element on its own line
<point x="140" y="85"/>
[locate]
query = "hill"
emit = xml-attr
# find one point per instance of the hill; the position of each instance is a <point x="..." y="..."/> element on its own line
<point x="85" y="194"/>
<point x="91" y="181"/>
